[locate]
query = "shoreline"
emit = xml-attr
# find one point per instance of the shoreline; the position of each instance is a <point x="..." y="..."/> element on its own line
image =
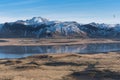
<point x="63" y="66"/>
<point x="52" y="42"/>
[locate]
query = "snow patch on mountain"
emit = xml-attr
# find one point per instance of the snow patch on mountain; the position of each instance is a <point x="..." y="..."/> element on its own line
<point x="37" y="20"/>
<point x="41" y="27"/>
<point x="65" y="28"/>
<point x="34" y="21"/>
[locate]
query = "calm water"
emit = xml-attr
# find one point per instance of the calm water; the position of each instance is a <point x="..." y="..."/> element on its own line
<point x="23" y="51"/>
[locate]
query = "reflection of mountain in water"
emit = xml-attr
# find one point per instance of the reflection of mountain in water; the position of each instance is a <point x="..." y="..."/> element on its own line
<point x="21" y="51"/>
<point x="105" y="47"/>
<point x="40" y="49"/>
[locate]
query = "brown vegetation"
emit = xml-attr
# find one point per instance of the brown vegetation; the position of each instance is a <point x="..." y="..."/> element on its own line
<point x="38" y="42"/>
<point x="62" y="67"/>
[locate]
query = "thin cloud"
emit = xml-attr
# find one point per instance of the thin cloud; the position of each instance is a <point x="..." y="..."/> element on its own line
<point x="4" y="19"/>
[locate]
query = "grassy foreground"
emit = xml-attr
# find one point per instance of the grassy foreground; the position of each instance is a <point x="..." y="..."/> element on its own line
<point x="62" y="67"/>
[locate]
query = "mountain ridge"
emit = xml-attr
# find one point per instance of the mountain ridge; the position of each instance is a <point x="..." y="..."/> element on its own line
<point x="39" y="27"/>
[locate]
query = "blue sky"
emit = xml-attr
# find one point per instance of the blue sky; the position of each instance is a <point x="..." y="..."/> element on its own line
<point x="83" y="11"/>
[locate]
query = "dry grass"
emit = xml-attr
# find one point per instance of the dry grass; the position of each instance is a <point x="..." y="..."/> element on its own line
<point x="62" y="67"/>
<point x="37" y="42"/>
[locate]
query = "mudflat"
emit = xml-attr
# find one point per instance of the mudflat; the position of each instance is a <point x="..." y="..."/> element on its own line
<point x="62" y="67"/>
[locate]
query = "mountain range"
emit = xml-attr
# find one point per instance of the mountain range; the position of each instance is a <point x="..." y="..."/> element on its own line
<point x="39" y="27"/>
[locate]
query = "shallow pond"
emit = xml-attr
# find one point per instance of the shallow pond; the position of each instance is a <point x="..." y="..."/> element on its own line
<point x="23" y="51"/>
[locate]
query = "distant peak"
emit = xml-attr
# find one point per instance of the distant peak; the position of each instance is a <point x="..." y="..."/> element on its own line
<point x="34" y="21"/>
<point x="39" y="19"/>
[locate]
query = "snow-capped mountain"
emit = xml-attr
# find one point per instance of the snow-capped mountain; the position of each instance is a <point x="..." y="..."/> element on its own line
<point x="39" y="27"/>
<point x="34" y="21"/>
